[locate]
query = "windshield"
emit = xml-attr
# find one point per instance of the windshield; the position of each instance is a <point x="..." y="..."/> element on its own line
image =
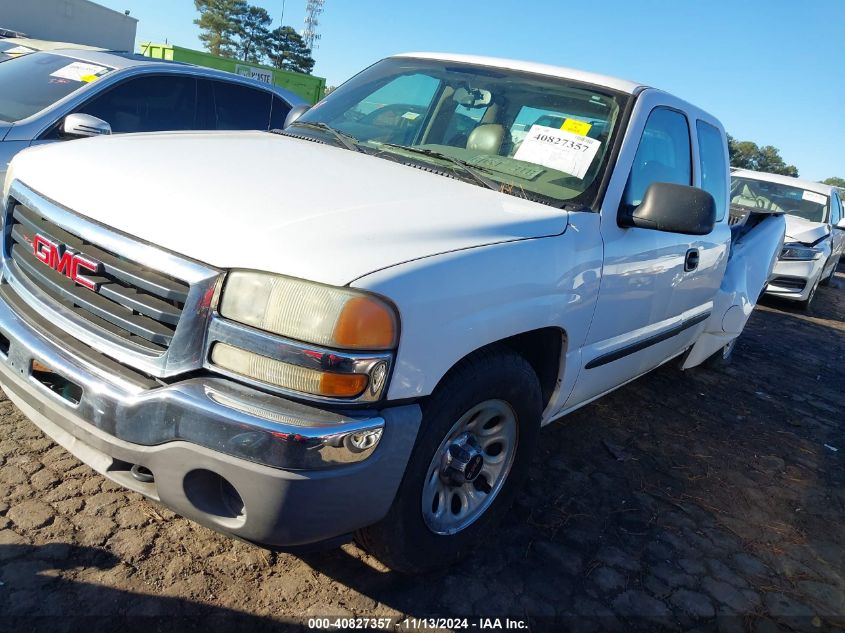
<point x="34" y="82"/>
<point x="534" y="136"/>
<point x="759" y="194"/>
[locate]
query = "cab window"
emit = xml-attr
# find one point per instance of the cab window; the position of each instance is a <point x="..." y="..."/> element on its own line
<point x="663" y="155"/>
<point x="714" y="168"/>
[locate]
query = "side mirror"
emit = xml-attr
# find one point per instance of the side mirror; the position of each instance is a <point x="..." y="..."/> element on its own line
<point x="673" y="209"/>
<point x="83" y="125"/>
<point x="295" y="113"/>
<point x="840" y="224"/>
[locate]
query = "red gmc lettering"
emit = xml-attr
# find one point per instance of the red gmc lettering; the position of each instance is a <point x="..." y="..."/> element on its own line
<point x="67" y="263"/>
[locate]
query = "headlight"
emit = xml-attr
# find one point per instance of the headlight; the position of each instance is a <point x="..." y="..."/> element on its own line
<point x="305" y="338"/>
<point x="323" y="315"/>
<point x="797" y="252"/>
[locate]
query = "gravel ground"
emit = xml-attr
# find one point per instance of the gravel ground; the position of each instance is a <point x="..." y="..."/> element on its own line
<point x="708" y="500"/>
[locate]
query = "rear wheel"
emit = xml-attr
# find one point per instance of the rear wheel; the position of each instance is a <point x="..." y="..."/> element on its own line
<point x="475" y="443"/>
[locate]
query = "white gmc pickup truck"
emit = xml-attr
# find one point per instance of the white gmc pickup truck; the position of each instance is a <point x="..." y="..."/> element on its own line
<point x="357" y="325"/>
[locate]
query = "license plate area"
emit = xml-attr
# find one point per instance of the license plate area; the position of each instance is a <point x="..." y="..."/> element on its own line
<point x="54" y="382"/>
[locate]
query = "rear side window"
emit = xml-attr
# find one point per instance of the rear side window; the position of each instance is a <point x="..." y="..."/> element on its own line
<point x="147" y="104"/>
<point x="238" y="107"/>
<point x="663" y="155"/>
<point x="279" y="114"/>
<point x="714" y="168"/>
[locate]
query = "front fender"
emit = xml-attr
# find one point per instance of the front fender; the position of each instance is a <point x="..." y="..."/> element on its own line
<point x="455" y="303"/>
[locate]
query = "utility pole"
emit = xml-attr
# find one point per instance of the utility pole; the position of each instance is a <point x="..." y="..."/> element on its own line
<point x="313" y="9"/>
<point x="282" y="19"/>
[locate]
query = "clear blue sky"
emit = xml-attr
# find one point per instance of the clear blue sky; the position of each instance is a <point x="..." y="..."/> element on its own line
<point x="773" y="71"/>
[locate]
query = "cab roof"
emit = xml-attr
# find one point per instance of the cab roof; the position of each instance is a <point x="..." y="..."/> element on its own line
<point x="809" y="185"/>
<point x="620" y="85"/>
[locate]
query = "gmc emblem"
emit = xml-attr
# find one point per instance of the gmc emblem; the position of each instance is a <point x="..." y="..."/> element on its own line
<point x="60" y="258"/>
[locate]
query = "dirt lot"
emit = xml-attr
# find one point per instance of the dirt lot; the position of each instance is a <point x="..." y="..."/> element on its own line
<point x="696" y="500"/>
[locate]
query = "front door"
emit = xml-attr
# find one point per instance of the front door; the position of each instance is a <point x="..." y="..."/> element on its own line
<point x="657" y="288"/>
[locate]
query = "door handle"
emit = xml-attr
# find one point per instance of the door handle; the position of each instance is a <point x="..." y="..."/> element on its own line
<point x="691" y="260"/>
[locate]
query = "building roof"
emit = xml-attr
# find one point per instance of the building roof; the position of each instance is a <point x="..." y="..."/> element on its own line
<point x="809" y="185"/>
<point x="48" y="45"/>
<point x="621" y="85"/>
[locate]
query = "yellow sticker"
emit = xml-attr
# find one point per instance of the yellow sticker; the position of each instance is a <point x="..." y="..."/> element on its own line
<point x="89" y="78"/>
<point x="576" y="127"/>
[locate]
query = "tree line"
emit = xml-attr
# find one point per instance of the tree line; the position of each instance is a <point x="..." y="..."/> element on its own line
<point x="748" y="155"/>
<point x="236" y="29"/>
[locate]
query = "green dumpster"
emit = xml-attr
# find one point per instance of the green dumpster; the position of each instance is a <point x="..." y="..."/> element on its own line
<point x="308" y="87"/>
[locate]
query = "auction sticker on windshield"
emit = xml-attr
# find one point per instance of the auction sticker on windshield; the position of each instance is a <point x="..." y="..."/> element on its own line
<point x="558" y="149"/>
<point x="80" y="71"/>
<point x="812" y="196"/>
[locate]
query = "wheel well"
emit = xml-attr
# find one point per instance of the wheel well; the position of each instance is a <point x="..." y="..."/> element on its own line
<point x="542" y="349"/>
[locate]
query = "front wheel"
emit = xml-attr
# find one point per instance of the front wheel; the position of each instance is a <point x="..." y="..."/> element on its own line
<point x="805" y="304"/>
<point x="472" y="454"/>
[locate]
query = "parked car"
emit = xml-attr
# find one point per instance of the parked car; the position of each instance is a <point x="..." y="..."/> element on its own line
<point x="62" y="95"/>
<point x="292" y="338"/>
<point x="815" y="229"/>
<point x="9" y="33"/>
<point x="18" y="46"/>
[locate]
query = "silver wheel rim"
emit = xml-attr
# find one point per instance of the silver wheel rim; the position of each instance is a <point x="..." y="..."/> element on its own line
<point x="449" y="506"/>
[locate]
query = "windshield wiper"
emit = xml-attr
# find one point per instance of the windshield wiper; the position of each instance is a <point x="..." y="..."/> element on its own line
<point x="463" y="165"/>
<point x="347" y="140"/>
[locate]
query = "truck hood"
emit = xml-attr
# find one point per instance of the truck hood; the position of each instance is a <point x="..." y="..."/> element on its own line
<point x="268" y="202"/>
<point x="804" y="231"/>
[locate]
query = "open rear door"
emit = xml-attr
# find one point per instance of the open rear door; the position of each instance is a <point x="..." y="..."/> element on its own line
<point x="757" y="240"/>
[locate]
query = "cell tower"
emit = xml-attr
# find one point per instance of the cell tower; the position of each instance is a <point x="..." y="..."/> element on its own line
<point x="313" y="9"/>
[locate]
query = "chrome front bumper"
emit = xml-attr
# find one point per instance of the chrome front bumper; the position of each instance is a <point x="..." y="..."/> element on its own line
<point x="237" y="459"/>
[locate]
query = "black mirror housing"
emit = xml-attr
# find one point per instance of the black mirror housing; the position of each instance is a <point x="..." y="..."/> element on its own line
<point x="673" y="209"/>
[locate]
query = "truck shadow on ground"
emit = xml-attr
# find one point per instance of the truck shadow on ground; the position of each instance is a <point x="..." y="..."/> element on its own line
<point x="37" y="594"/>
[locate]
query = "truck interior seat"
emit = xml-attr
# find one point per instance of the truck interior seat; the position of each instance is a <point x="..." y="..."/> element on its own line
<point x="486" y="138"/>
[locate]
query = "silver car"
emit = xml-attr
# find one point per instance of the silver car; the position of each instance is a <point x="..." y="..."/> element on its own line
<point x="68" y="94"/>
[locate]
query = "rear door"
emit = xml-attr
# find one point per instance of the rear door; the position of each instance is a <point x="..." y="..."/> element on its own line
<point x="657" y="288"/>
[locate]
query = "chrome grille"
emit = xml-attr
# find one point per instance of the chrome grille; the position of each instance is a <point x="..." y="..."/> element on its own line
<point x="132" y="302"/>
<point x="148" y="308"/>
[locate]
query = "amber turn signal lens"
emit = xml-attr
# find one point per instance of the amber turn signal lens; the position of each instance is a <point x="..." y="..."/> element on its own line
<point x="342" y="385"/>
<point x="365" y="323"/>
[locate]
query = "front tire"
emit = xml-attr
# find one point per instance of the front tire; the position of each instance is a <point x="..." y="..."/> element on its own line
<point x="805" y="304"/>
<point x="472" y="455"/>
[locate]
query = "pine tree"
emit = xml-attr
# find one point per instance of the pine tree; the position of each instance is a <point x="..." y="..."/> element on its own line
<point x="219" y="24"/>
<point x="286" y="49"/>
<point x="253" y="34"/>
